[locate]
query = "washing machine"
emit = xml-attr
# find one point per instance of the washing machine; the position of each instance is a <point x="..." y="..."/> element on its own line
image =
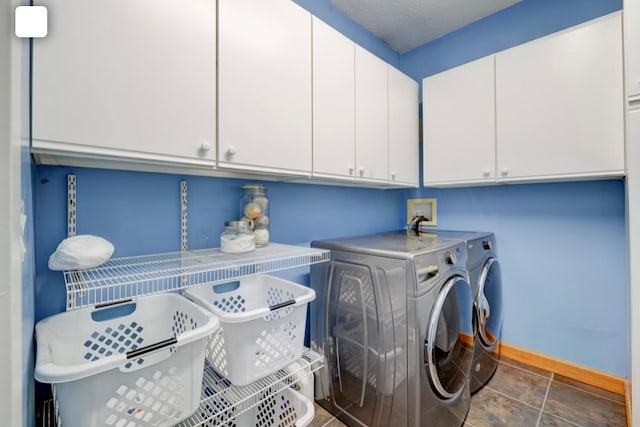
<point x="392" y="315"/>
<point x="486" y="282"/>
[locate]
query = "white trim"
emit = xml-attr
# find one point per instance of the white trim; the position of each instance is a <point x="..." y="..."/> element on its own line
<point x="12" y="97"/>
<point x="633" y="225"/>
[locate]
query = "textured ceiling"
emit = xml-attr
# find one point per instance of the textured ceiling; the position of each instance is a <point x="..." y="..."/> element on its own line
<point x="407" y="24"/>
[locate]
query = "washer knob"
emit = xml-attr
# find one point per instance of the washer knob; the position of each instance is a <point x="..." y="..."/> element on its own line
<point x="450" y="258"/>
<point x="486" y="245"/>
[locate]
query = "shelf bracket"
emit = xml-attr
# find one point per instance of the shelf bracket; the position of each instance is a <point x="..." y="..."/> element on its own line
<point x="71" y="228"/>
<point x="184" y="243"/>
<point x="71" y="205"/>
<point x="184" y="235"/>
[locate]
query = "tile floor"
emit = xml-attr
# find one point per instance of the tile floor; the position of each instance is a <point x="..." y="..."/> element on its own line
<point x="520" y="395"/>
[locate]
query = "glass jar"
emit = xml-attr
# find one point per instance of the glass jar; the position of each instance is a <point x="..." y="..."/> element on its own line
<point x="254" y="207"/>
<point x="237" y="237"/>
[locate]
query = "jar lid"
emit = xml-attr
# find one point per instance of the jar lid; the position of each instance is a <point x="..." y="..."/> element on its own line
<point x="237" y="223"/>
<point x="254" y="187"/>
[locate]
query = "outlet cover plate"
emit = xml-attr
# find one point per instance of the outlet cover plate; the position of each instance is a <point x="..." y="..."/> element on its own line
<point x="425" y="207"/>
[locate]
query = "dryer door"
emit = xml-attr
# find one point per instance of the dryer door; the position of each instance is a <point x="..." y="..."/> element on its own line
<point x="489" y="302"/>
<point x="448" y="348"/>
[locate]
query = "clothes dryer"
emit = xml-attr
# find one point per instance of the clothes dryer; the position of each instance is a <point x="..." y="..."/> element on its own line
<point x="391" y="315"/>
<point x="486" y="281"/>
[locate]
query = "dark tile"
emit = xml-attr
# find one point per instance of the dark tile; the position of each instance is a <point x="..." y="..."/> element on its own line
<point x="335" y="423"/>
<point x="519" y="384"/>
<point x="321" y="417"/>
<point x="526" y="367"/>
<point x="491" y="409"/>
<point x="548" y="420"/>
<point x="583" y="408"/>
<point x="591" y="389"/>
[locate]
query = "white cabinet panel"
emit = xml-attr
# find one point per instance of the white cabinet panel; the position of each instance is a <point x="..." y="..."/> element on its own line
<point x="371" y="116"/>
<point x="264" y="84"/>
<point x="131" y="80"/>
<point x="333" y="102"/>
<point x="404" y="158"/>
<point x="560" y="104"/>
<point x="458" y="108"/>
<point x="633" y="215"/>
<point x="632" y="44"/>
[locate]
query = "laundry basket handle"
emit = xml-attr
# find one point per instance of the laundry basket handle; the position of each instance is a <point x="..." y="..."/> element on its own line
<point x="151" y="347"/>
<point x="283" y="304"/>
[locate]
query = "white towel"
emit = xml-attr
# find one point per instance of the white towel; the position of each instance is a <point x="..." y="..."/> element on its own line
<point x="80" y="252"/>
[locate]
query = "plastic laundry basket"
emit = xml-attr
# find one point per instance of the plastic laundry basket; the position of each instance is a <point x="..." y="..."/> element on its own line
<point x="262" y="330"/>
<point x="137" y="363"/>
<point x="286" y="408"/>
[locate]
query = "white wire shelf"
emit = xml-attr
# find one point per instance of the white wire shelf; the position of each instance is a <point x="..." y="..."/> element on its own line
<point x="122" y="278"/>
<point x="221" y="402"/>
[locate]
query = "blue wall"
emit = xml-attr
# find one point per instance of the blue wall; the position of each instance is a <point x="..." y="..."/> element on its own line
<point x="140" y="214"/>
<point x="562" y="248"/>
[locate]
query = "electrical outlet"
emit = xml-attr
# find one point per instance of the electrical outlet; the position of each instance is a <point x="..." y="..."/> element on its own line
<point x="423" y="207"/>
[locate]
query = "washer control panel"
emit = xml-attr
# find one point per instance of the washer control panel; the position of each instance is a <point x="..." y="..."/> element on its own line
<point x="450" y="257"/>
<point x="431" y="266"/>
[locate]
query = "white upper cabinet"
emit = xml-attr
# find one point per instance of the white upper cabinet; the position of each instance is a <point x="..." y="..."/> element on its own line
<point x="371" y="116"/>
<point x="333" y="103"/>
<point x="365" y="114"/>
<point x="127" y="81"/>
<point x="264" y="84"/>
<point x="404" y="156"/>
<point x="632" y="44"/>
<point x="560" y="106"/>
<point x="458" y="110"/>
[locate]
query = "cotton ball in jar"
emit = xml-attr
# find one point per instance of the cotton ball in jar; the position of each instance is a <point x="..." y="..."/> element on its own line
<point x="261" y="201"/>
<point x="262" y="236"/>
<point x="262" y="221"/>
<point x="252" y="210"/>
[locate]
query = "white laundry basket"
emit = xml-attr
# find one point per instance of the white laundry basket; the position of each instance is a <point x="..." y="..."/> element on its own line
<point x="136" y="363"/>
<point x="262" y="330"/>
<point x="286" y="408"/>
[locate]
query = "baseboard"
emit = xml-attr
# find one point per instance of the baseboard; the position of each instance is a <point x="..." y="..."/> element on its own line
<point x="627" y="402"/>
<point x="603" y="380"/>
<point x="571" y="370"/>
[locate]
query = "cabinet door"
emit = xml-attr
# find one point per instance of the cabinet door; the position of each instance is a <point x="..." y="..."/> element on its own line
<point x="632" y="44"/>
<point x="404" y="156"/>
<point x="334" y="142"/>
<point x="371" y="116"/>
<point x="264" y="86"/>
<point x="560" y="104"/>
<point x="130" y="80"/>
<point x="458" y="118"/>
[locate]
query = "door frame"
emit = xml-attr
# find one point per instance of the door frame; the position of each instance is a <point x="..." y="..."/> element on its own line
<point x="13" y="104"/>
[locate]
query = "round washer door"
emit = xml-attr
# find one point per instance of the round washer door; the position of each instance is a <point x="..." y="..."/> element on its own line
<point x="489" y="303"/>
<point x="449" y="339"/>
